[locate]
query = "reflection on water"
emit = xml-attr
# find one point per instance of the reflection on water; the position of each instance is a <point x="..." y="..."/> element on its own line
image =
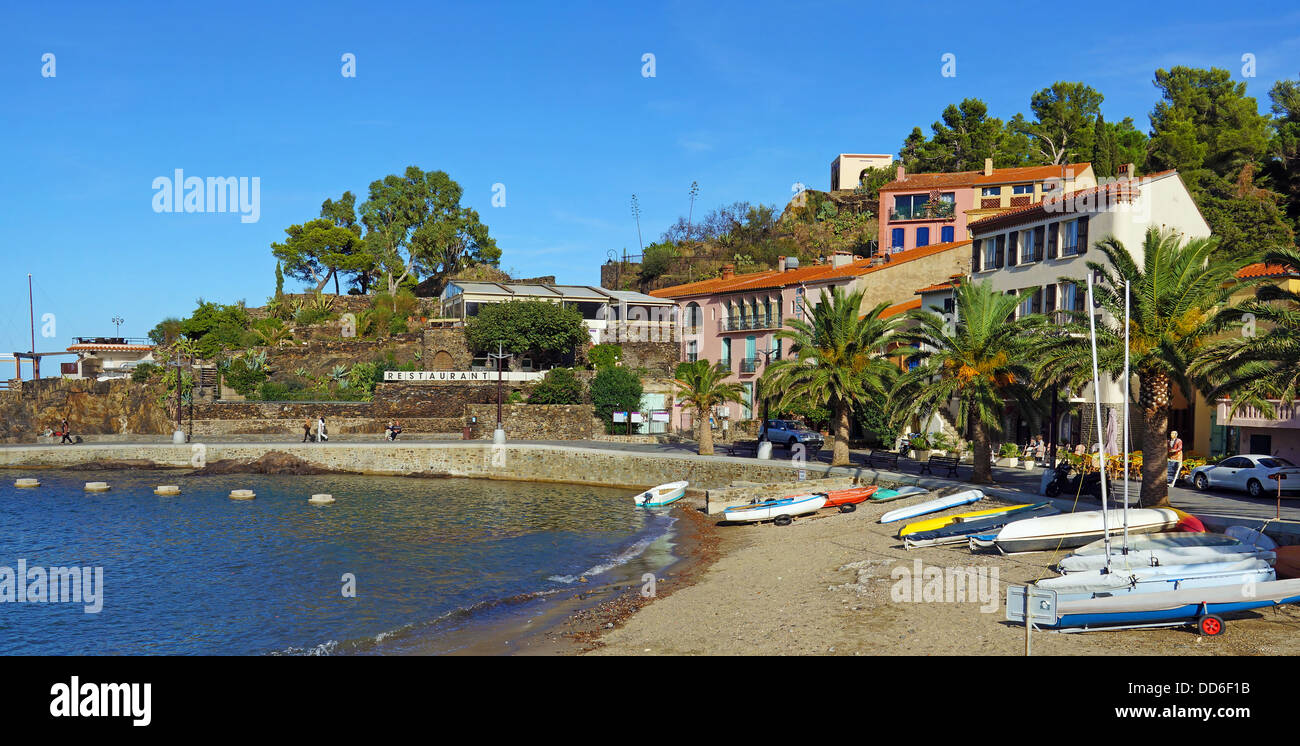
<point x="201" y="573"/>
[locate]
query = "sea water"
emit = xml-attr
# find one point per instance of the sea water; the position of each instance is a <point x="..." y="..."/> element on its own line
<point x="394" y="565"/>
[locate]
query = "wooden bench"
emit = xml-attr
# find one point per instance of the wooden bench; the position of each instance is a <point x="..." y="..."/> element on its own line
<point x="741" y="447"/>
<point x="883" y="458"/>
<point x="949" y="463"/>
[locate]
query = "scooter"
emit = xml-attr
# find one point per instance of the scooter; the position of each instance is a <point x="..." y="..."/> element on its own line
<point x="1063" y="483"/>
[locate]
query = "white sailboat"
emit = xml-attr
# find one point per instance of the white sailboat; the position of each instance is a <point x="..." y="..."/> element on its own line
<point x="1164" y="548"/>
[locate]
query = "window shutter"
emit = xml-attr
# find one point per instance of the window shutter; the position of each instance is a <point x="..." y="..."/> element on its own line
<point x="1053" y="235"/>
<point x="975" y="254"/>
<point x="1001" y="256"/>
<point x="1080" y="297"/>
<point x="1013" y="241"/>
<point x="1051" y="298"/>
<point x="1083" y="234"/>
<point x="1039" y="236"/>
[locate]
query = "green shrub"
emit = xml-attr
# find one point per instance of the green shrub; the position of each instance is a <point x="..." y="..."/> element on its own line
<point x="243" y="377"/>
<point x="615" y="390"/>
<point x="144" y="371"/>
<point x="559" y="386"/>
<point x="1008" y="450"/>
<point x="604" y="356"/>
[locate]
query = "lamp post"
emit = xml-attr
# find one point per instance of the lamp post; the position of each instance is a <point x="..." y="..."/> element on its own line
<point x="117" y="325"/>
<point x="499" y="435"/>
<point x="764" y="446"/>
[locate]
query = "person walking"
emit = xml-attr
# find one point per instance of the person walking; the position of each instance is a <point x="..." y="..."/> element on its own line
<point x="321" y="436"/>
<point x="67" y="431"/>
<point x="725" y="423"/>
<point x="1175" y="457"/>
<point x="306" y="430"/>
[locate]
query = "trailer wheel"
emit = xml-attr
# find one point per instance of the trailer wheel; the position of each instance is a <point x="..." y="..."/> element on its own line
<point x="848" y="508"/>
<point x="782" y="520"/>
<point x="1210" y="625"/>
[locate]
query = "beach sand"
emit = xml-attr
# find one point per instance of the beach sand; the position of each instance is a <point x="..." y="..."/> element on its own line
<point x="822" y="586"/>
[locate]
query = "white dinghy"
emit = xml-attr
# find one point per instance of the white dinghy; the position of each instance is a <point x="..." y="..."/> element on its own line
<point x="780" y="511"/>
<point x="664" y="494"/>
<point x="1162" y="548"/>
<point x="933" y="506"/>
<point x="1070" y="530"/>
<point x="1157" y="579"/>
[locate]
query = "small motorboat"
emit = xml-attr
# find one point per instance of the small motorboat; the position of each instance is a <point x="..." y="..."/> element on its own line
<point x="847" y="500"/>
<point x="1199" y="606"/>
<point x="965" y="497"/>
<point x="885" y="495"/>
<point x="960" y="531"/>
<point x="664" y="494"/>
<point x="780" y="511"/>
<point x="1069" y="530"/>
<point x="931" y="524"/>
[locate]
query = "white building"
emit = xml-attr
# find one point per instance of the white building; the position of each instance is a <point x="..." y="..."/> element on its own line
<point x="609" y="314"/>
<point x="106" y="358"/>
<point x="1034" y="247"/>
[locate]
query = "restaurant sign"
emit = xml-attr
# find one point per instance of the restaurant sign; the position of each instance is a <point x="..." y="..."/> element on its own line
<point x="460" y="376"/>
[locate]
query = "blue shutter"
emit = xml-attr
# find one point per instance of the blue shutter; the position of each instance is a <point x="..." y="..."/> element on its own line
<point x="945" y="234"/>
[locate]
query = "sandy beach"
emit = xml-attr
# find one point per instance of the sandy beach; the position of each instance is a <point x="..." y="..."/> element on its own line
<point x="823" y="586"/>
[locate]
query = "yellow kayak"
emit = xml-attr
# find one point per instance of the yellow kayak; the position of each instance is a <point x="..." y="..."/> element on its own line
<point x="933" y="523"/>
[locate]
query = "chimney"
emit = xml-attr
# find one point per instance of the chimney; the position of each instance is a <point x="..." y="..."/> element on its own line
<point x="780" y="264"/>
<point x="1126" y="171"/>
<point x="728" y="271"/>
<point x="900" y="173"/>
<point x="841" y="258"/>
<point x="988" y="166"/>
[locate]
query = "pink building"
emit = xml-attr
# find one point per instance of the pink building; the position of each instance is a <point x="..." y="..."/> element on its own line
<point x="919" y="210"/>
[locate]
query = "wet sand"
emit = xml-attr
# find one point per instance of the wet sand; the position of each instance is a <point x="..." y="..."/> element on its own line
<point x="822" y="586"/>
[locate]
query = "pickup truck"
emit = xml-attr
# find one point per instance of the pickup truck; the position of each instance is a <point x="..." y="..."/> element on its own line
<point x="789" y="432"/>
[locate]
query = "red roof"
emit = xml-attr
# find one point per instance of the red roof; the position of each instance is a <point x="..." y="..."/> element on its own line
<point x="772" y="278"/>
<point x="1260" y="269"/>
<point x="89" y="347"/>
<point x="918" y="182"/>
<point x="904" y="307"/>
<point x="1063" y="203"/>
<point x="935" y="288"/>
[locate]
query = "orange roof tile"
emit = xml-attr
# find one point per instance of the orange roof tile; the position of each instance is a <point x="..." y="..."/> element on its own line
<point x="772" y="278"/>
<point x="904" y="307"/>
<point x="940" y="286"/>
<point x="918" y="182"/>
<point x="1058" y="204"/>
<point x="1260" y="269"/>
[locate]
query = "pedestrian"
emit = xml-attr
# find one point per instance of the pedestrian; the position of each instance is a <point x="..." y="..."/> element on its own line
<point x="306" y="430"/>
<point x="67" y="431"/>
<point x="1175" y="456"/>
<point x="1040" y="450"/>
<point x="321" y="437"/>
<point x="724" y="427"/>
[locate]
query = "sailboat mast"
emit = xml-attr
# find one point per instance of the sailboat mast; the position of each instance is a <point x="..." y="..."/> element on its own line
<point x="1126" y="408"/>
<point x="1096" y="402"/>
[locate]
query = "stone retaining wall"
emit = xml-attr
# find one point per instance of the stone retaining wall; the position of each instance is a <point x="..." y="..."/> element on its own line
<point x="532" y="421"/>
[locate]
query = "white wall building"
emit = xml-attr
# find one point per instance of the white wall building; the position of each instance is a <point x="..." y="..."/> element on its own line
<point x="106" y="358"/>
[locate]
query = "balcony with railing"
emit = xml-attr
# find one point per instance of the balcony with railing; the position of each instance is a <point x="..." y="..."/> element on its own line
<point x="749" y="365"/>
<point x="928" y="211"/>
<point x="1287" y="415"/>
<point x="750" y="323"/>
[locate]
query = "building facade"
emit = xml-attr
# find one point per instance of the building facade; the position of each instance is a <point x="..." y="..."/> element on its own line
<point x="927" y="208"/>
<point x="848" y="169"/>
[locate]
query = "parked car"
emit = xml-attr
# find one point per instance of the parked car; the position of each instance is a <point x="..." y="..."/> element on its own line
<point x="789" y="432"/>
<point x="1249" y="472"/>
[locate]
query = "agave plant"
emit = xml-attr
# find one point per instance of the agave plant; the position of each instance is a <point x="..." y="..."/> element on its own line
<point x="339" y="375"/>
<point x="322" y="303"/>
<point x="273" y="335"/>
<point x="255" y="360"/>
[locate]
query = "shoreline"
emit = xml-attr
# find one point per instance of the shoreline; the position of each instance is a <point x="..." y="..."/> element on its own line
<point x="827" y="585"/>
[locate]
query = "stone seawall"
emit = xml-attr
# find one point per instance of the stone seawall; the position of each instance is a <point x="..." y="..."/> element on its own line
<point x="525" y="462"/>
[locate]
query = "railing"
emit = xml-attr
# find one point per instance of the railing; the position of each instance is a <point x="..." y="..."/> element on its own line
<point x="749" y="365"/>
<point x="938" y="211"/>
<point x="1288" y="415"/>
<point x="750" y="323"/>
<point x="111" y="341"/>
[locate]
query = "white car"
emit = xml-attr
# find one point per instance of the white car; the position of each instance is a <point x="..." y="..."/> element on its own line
<point x="1250" y="472"/>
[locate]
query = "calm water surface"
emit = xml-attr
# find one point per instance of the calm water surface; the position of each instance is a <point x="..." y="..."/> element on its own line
<point x="204" y="574"/>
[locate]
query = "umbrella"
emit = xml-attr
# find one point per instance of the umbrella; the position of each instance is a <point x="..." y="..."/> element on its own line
<point x="1111" y="428"/>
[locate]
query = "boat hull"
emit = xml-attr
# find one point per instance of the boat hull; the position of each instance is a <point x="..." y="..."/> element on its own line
<point x="932" y="506"/>
<point x="1069" y="530"/>
<point x="1288" y="561"/>
<point x="886" y="495"/>
<point x="931" y="524"/>
<point x="1158" y="579"/>
<point x="960" y="532"/>
<point x="836" y="498"/>
<point x="664" y="494"/>
<point x="766" y="511"/>
<point x="1173" y="606"/>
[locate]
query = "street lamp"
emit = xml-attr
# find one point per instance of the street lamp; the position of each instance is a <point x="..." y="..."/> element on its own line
<point x="117" y="325"/>
<point x="499" y="435"/>
<point x="764" y="446"/>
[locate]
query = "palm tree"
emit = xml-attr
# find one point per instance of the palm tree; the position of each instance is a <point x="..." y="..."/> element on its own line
<point x="980" y="363"/>
<point x="703" y="389"/>
<point x="837" y="360"/>
<point x="1255" y="368"/>
<point x="1178" y="307"/>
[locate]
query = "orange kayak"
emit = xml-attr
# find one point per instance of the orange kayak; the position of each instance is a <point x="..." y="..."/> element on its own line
<point x="1288" y="561"/>
<point x="851" y="496"/>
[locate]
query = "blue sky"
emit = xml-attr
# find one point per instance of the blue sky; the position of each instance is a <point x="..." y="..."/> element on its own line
<point x="545" y="98"/>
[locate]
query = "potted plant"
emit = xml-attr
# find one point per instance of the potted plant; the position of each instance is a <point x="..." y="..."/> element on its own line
<point x="1008" y="455"/>
<point x="920" y="447"/>
<point x="941" y="442"/>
